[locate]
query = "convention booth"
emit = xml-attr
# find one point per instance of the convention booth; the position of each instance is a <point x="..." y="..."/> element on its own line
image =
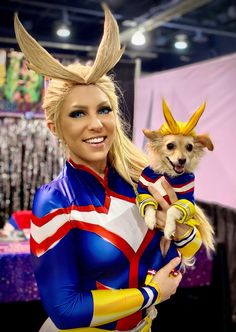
<point x="31" y="156"/>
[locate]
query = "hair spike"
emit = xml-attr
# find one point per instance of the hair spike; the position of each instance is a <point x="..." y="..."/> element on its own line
<point x="39" y="59"/>
<point x="192" y="122"/>
<point x="171" y="122"/>
<point x="109" y="51"/>
<point x="108" y="54"/>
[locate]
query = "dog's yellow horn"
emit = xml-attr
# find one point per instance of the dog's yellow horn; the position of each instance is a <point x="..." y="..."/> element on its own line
<point x="191" y="124"/>
<point x="174" y="128"/>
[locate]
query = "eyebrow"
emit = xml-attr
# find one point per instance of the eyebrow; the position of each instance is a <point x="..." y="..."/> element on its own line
<point x="83" y="107"/>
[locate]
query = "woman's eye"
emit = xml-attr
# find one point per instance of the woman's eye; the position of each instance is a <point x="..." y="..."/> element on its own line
<point x="105" y="110"/>
<point x="76" y="114"/>
<point x="170" y="146"/>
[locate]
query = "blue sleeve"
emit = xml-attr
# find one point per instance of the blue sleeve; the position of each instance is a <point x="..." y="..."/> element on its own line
<point x="56" y="268"/>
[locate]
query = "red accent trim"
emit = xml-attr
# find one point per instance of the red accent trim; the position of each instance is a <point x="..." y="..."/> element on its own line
<point x="100" y="286"/>
<point x="89" y="170"/>
<point x="186" y="191"/>
<point x="151" y="180"/>
<point x="100" y="209"/>
<point x="183" y="184"/>
<point x="116" y="240"/>
<point x="124" y="198"/>
<point x="133" y="277"/>
<point x="129" y="322"/>
<point x="40" y="248"/>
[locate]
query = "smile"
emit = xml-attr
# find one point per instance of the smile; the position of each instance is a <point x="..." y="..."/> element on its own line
<point x="95" y="140"/>
<point x="179" y="169"/>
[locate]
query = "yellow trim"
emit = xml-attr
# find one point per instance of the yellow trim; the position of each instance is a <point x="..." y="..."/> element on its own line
<point x="186" y="207"/>
<point x="192" y="222"/>
<point x="143" y="200"/>
<point x="86" y="329"/>
<point x="112" y="305"/>
<point x="192" y="247"/>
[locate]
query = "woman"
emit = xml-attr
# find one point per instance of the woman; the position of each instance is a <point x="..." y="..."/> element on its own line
<point x="91" y="248"/>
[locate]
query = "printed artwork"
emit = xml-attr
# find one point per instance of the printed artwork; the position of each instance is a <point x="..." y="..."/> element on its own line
<point x="21" y="89"/>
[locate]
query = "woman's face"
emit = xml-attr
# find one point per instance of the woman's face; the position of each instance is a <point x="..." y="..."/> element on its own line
<point x="88" y="126"/>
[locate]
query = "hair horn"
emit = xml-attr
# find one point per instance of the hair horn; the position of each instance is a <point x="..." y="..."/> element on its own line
<point x="169" y="118"/>
<point x="39" y="59"/>
<point x="109" y="51"/>
<point x="191" y="124"/>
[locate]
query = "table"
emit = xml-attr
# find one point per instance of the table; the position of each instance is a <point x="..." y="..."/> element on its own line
<point x="17" y="281"/>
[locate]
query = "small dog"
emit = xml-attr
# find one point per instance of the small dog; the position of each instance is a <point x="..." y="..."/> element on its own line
<point x="175" y="151"/>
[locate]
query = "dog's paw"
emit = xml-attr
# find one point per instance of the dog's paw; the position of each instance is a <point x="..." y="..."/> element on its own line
<point x="173" y="214"/>
<point x="169" y="230"/>
<point x="150" y="217"/>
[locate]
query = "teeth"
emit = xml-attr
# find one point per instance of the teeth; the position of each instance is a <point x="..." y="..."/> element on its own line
<point x="95" y="140"/>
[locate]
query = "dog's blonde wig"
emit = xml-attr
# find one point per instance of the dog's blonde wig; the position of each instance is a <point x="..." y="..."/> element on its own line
<point x="173" y="127"/>
<point x="125" y="157"/>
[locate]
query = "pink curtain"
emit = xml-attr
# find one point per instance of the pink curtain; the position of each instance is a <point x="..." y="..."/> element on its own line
<point x="185" y="89"/>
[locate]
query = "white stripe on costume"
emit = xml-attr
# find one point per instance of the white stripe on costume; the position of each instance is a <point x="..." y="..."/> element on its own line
<point x="123" y="219"/>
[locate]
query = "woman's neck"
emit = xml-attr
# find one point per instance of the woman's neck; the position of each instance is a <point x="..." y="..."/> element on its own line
<point x="98" y="168"/>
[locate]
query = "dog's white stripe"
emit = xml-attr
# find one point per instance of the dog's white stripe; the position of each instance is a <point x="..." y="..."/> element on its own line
<point x="158" y="186"/>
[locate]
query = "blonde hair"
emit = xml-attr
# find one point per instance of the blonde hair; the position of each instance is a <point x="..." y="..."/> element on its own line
<point x="124" y="156"/>
<point x="127" y="159"/>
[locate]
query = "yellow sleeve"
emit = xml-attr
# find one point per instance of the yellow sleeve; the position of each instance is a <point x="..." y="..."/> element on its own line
<point x="189" y="243"/>
<point x="142" y="200"/>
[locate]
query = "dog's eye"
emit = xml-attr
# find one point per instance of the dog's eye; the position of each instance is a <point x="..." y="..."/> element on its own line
<point x="170" y="146"/>
<point x="189" y="147"/>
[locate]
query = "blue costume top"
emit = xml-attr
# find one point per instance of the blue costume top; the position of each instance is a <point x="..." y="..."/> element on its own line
<point x="91" y="250"/>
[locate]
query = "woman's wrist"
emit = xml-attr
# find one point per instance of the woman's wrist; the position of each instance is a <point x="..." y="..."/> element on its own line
<point x="182" y="231"/>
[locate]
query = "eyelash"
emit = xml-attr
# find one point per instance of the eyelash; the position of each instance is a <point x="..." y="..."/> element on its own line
<point x="105" y="108"/>
<point x="79" y="114"/>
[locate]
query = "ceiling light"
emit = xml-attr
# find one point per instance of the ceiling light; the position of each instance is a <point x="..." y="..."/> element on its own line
<point x="63" y="29"/>
<point x="181" y="42"/>
<point x="138" y="38"/>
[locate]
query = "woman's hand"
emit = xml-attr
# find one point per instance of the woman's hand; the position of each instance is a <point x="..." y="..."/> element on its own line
<point x="166" y="281"/>
<point x="164" y="205"/>
<point x="181" y="229"/>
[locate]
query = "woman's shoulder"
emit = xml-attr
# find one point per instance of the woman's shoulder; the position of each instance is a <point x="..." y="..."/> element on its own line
<point x="50" y="196"/>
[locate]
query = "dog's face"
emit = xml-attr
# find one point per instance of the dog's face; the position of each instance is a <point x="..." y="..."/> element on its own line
<point x="176" y="154"/>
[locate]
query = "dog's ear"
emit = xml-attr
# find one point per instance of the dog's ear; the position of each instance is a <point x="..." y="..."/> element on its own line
<point x="151" y="134"/>
<point x="205" y="141"/>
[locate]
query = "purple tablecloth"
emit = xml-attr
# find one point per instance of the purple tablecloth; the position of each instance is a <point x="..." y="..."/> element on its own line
<point x="201" y="273"/>
<point x="17" y="282"/>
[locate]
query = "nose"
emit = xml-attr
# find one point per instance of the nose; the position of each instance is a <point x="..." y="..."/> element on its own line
<point x="95" y="123"/>
<point x="182" y="161"/>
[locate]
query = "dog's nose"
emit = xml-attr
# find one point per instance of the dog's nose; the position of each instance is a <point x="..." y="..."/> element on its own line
<point x="182" y="161"/>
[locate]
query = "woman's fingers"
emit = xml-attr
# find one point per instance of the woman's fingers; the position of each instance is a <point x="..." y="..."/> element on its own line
<point x="160" y="200"/>
<point x="170" y="191"/>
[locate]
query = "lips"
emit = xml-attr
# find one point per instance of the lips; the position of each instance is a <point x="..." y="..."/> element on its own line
<point x="95" y="140"/>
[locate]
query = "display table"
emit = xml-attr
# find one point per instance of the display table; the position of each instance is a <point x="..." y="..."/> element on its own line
<point x="17" y="281"/>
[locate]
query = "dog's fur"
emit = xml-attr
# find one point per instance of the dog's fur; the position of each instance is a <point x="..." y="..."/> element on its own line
<point x="173" y="155"/>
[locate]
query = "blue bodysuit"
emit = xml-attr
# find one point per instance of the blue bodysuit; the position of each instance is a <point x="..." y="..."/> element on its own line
<point x="91" y="251"/>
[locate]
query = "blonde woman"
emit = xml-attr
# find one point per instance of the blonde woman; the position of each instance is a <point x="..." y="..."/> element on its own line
<point x="91" y="248"/>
